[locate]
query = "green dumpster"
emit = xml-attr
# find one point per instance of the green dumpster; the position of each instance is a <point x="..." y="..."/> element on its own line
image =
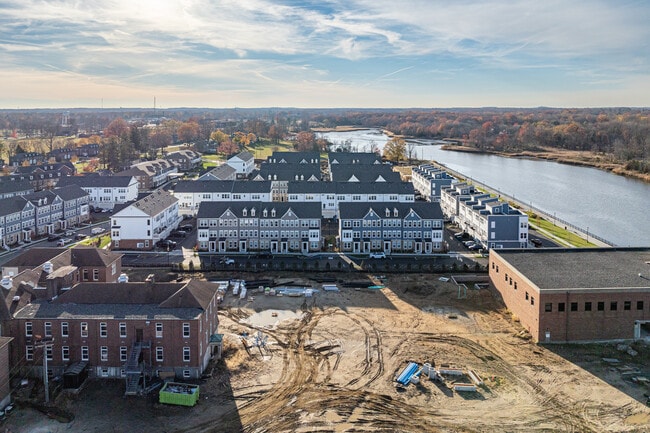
<point x="181" y="394"/>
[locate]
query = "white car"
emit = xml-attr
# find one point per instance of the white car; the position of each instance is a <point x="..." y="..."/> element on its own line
<point x="377" y="255"/>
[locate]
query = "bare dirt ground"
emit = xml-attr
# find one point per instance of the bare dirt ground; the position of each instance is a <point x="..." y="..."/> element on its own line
<point x="330" y="364"/>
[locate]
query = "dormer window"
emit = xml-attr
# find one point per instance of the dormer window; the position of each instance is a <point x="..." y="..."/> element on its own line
<point x="387" y="212"/>
<point x="253" y="212"/>
<point x="395" y="212"/>
<point x="272" y="213"/>
<point x="244" y="212"/>
<point x="265" y="213"/>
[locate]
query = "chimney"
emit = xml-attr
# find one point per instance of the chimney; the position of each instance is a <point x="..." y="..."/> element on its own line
<point x="48" y="267"/>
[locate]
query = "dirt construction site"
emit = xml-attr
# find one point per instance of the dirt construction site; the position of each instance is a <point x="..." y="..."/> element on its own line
<point x="329" y="363"/>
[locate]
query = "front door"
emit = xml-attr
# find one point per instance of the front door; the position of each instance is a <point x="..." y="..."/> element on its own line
<point x="139" y="334"/>
<point x="242" y="246"/>
<point x="212" y="246"/>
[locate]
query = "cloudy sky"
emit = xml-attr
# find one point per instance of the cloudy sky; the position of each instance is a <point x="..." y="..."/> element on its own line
<point x="327" y="53"/>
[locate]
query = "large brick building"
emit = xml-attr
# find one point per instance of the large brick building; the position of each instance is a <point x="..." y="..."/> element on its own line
<point x="564" y="295"/>
<point x="120" y="330"/>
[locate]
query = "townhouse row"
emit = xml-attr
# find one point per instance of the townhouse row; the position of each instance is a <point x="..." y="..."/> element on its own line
<point x="23" y="217"/>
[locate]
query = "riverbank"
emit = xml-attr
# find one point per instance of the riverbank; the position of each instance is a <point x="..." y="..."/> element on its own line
<point x="570" y="157"/>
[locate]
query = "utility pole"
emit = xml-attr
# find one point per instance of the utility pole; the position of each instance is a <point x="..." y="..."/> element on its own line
<point x="44" y="344"/>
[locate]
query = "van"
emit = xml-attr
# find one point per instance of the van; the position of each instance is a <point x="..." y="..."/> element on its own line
<point x="97" y="230"/>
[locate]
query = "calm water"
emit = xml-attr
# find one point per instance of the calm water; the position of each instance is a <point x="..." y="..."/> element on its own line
<point x="610" y="206"/>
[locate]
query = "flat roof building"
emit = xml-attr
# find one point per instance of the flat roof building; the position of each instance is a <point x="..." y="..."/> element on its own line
<point x="577" y="294"/>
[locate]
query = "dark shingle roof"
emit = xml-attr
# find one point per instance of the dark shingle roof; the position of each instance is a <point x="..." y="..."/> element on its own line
<point x="364" y="173"/>
<point x="83" y="256"/>
<point x="8" y="186"/>
<point x="34" y="257"/>
<point x="564" y="269"/>
<point x="301" y="209"/>
<point x="425" y="210"/>
<point x="70" y="192"/>
<point x="353" y="157"/>
<point x="289" y="171"/>
<point x="97" y="181"/>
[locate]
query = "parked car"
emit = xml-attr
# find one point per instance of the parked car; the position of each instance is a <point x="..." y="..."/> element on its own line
<point x="537" y="242"/>
<point x="63" y="242"/>
<point x="80" y="236"/>
<point x="178" y="233"/>
<point x="227" y="261"/>
<point x="187" y="227"/>
<point x="166" y="243"/>
<point x="469" y="243"/>
<point x="69" y="233"/>
<point x="97" y="230"/>
<point x="53" y="237"/>
<point x="379" y="255"/>
<point x="475" y="247"/>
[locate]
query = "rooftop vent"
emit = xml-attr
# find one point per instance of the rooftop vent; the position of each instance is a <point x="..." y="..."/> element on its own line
<point x="48" y="267"/>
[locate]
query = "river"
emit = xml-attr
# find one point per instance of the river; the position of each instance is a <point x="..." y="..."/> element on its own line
<point x="610" y="206"/>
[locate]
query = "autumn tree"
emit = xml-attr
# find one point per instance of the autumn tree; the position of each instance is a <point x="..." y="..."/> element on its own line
<point x="227" y="147"/>
<point x="117" y="128"/>
<point x="395" y="150"/>
<point x="305" y="141"/>
<point x="219" y="136"/>
<point x="188" y="131"/>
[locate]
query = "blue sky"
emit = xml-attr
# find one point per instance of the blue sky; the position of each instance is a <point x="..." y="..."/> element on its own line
<point x="336" y="53"/>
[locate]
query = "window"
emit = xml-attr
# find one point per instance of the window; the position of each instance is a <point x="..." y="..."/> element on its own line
<point x="84" y="353"/>
<point x="548" y="307"/>
<point x="65" y="353"/>
<point x="574" y="306"/>
<point x="85" y="275"/>
<point x="186" y="330"/>
<point x="587" y="306"/>
<point x="627" y="305"/>
<point x="601" y="306"/>
<point x="29" y="353"/>
<point x="639" y="305"/>
<point x="28" y="329"/>
<point x="95" y="274"/>
<point x="48" y="353"/>
<point x="104" y="353"/>
<point x="84" y="329"/>
<point x="103" y="330"/>
<point x="123" y="330"/>
<point x="526" y="295"/>
<point x="64" y="329"/>
<point x="48" y="329"/>
<point x="186" y="354"/>
<point x="159" y="330"/>
<point x="532" y="300"/>
<point x="613" y="305"/>
<point x="123" y="353"/>
<point x="159" y="354"/>
<point x="560" y="306"/>
<point x="186" y="374"/>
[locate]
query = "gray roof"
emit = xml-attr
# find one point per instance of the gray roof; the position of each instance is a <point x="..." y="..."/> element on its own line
<point x="70" y="192"/>
<point x="244" y="156"/>
<point x="297" y="187"/>
<point x="221" y="172"/>
<point x="353" y="157"/>
<point x="295" y="157"/>
<point x="425" y="210"/>
<point x="97" y="181"/>
<point x="213" y="209"/>
<point x="12" y="205"/>
<point x="234" y="186"/>
<point x="365" y="173"/>
<point x="289" y="171"/>
<point x="14" y="186"/>
<point x="185" y="300"/>
<point x="154" y="203"/>
<point x="586" y="268"/>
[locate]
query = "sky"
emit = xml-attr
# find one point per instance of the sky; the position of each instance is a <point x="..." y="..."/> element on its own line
<point x="327" y="53"/>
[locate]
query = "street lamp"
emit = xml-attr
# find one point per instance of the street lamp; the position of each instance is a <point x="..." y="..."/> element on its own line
<point x="587" y="233"/>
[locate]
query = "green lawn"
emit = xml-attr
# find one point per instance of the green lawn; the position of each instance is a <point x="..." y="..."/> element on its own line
<point x="559" y="232"/>
<point x="103" y="241"/>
